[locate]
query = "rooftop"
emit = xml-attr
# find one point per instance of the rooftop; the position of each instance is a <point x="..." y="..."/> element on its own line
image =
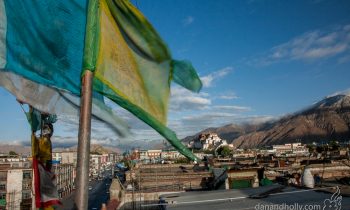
<point x="243" y="198"/>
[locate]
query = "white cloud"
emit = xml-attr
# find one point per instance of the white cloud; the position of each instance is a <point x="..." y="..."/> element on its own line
<point x="14" y="142"/>
<point x="228" y="96"/>
<point x="207" y="117"/>
<point x="64" y="141"/>
<point x="196" y="122"/>
<point x="189" y="113"/>
<point x="256" y="119"/>
<point x="233" y="108"/>
<point x="182" y="99"/>
<point x="70" y="141"/>
<point x="341" y="92"/>
<point x="312" y="45"/>
<point x="320" y="52"/>
<point x="208" y="80"/>
<point x="188" y="21"/>
<point x="189" y="125"/>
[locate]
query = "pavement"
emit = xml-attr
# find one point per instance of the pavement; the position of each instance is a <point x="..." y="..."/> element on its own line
<point x="282" y="198"/>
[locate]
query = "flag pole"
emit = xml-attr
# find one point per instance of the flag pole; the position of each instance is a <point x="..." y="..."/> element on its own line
<point x="89" y="62"/>
<point x="82" y="179"/>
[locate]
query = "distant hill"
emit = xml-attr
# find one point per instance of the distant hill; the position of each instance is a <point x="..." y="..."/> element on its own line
<point x="98" y="149"/>
<point x="227" y="132"/>
<point x="19" y="149"/>
<point x="120" y="147"/>
<point x="94" y="149"/>
<point x="26" y="150"/>
<point x="326" y="120"/>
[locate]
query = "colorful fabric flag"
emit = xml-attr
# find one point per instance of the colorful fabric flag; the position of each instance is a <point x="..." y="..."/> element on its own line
<point x="62" y="103"/>
<point x="45" y="188"/>
<point x="44" y="183"/>
<point x="53" y="42"/>
<point x="134" y="66"/>
<point x="31" y="76"/>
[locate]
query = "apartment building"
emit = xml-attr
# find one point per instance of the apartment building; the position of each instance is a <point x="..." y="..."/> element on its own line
<point x="291" y="149"/>
<point x="15" y="188"/>
<point x="64" y="157"/>
<point x="65" y="178"/>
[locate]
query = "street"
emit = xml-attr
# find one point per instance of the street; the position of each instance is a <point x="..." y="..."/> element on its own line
<point x="98" y="194"/>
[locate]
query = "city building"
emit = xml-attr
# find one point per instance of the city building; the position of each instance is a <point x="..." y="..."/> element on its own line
<point x="292" y="149"/>
<point x="154" y="153"/>
<point x="147" y="156"/>
<point x="15" y="188"/>
<point x="242" y="178"/>
<point x="244" y="153"/>
<point x="201" y="155"/>
<point x="65" y="177"/>
<point x="16" y="182"/>
<point x="95" y="165"/>
<point x="104" y="158"/>
<point x="207" y="141"/>
<point x="69" y="157"/>
<point x="170" y="155"/>
<point x="98" y="162"/>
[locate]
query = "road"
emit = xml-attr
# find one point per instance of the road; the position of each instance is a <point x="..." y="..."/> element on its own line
<point x="97" y="195"/>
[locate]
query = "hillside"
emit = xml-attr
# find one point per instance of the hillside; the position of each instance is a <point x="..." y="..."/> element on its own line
<point x="326" y="120"/>
<point x="19" y="149"/>
<point x="94" y="149"/>
<point x="226" y="132"/>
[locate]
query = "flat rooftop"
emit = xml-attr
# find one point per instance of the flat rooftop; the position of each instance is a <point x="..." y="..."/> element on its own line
<point x="242" y="198"/>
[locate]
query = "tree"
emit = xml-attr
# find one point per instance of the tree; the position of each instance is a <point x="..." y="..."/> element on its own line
<point x="224" y="151"/>
<point x="13" y="153"/>
<point x="320" y="149"/>
<point x="334" y="145"/>
<point x="311" y="147"/>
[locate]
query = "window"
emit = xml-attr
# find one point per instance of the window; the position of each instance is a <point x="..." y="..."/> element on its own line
<point x="27" y="175"/>
<point x="26" y="185"/>
<point x="15" y="165"/>
<point x="2" y="186"/>
<point x="3" y="176"/>
<point x="2" y="195"/>
<point x="26" y="195"/>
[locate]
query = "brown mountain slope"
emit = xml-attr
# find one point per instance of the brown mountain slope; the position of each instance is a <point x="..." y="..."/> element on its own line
<point x="227" y="132"/>
<point x="327" y="120"/>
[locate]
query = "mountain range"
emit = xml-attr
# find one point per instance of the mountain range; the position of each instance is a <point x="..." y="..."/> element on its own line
<point x="329" y="119"/>
<point x="26" y="150"/>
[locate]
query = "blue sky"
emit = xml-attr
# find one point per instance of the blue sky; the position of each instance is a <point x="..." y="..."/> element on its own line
<point x="258" y="60"/>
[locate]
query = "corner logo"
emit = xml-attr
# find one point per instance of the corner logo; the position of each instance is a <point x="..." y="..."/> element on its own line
<point x="334" y="203"/>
